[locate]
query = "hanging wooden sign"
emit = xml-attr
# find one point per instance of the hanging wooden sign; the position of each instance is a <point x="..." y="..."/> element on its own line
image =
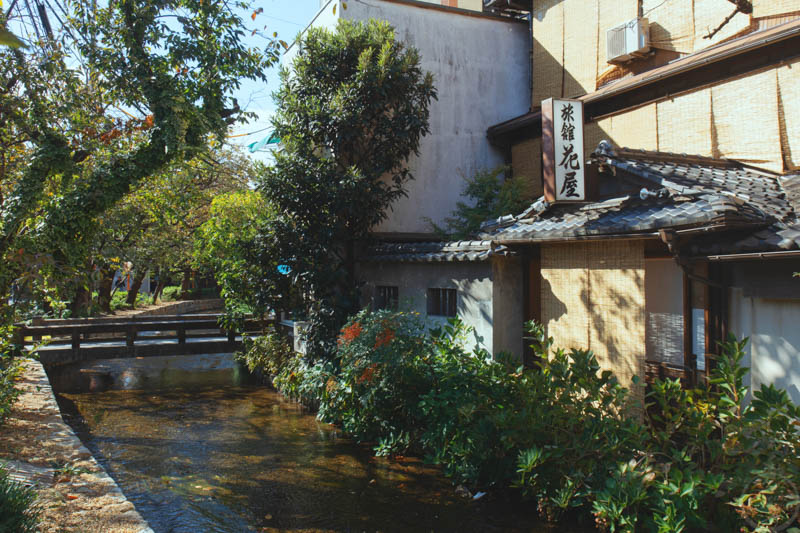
<point x="563" y="164"/>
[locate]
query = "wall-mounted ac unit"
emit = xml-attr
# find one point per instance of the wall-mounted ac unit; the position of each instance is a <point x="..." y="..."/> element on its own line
<point x="628" y="40"/>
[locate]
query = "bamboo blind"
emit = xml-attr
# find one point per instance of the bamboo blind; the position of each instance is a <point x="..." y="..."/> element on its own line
<point x="745" y="116"/>
<point x="593" y="298"/>
<point x="769" y="8"/>
<point x="671" y="24"/>
<point x="565" y="294"/>
<point x="593" y="133"/>
<point x="548" y="50"/>
<point x="789" y="113"/>
<point x="580" y="46"/>
<point x="526" y="160"/>
<point x="611" y="13"/>
<point x="617" y="308"/>
<point x="636" y="129"/>
<point x="708" y="14"/>
<point x="684" y="124"/>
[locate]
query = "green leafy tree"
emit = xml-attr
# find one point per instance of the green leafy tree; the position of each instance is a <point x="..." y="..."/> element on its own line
<point x="488" y="195"/>
<point x="351" y="109"/>
<point x="223" y="243"/>
<point x="153" y="227"/>
<point x="73" y="115"/>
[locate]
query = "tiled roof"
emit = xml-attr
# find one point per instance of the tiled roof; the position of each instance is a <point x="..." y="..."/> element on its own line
<point x="747" y="210"/>
<point x="434" y="251"/>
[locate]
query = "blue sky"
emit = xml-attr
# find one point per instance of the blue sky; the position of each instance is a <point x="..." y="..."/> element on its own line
<point x="288" y="18"/>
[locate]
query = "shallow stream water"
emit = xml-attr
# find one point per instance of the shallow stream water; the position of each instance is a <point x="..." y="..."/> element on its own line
<point x="239" y="457"/>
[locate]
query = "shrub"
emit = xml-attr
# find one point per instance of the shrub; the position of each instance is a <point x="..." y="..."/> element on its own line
<point x="18" y="512"/>
<point x="563" y="433"/>
<point x="268" y="353"/>
<point x="384" y="368"/>
<point x="171" y="293"/>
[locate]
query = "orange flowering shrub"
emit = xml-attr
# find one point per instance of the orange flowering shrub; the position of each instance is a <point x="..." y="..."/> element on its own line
<point x="350" y="333"/>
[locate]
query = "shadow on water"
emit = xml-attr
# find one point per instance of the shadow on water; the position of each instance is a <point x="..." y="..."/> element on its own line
<point x="242" y="458"/>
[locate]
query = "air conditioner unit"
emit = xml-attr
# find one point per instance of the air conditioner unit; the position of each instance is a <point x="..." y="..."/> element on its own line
<point x="628" y="40"/>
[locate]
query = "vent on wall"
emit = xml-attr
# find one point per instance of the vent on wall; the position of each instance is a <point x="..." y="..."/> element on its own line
<point x="628" y="40"/>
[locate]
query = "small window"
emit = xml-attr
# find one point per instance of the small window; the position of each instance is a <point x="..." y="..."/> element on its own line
<point x="386" y="297"/>
<point x="442" y="302"/>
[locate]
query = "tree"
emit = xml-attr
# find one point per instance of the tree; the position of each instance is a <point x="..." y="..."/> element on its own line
<point x="153" y="227"/>
<point x="351" y="110"/>
<point x="125" y="91"/>
<point x="223" y="242"/>
<point x="489" y="196"/>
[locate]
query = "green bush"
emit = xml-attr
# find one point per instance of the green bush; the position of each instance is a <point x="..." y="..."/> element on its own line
<point x="9" y="371"/>
<point x="18" y="511"/>
<point x="118" y="301"/>
<point x="384" y="368"/>
<point x="171" y="293"/>
<point x="269" y="353"/>
<point x="566" y="433"/>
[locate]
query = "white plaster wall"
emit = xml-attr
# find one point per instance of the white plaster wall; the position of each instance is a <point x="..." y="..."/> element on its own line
<point x="773" y="352"/>
<point x="507" y="305"/>
<point x="480" y="67"/>
<point x="473" y="282"/>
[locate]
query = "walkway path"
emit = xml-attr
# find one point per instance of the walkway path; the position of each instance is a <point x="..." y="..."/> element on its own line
<point x="74" y="491"/>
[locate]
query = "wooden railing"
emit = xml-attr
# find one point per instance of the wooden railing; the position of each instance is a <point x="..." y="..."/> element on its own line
<point x="81" y="339"/>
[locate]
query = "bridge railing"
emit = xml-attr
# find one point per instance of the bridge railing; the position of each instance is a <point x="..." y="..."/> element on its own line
<point x="81" y="339"/>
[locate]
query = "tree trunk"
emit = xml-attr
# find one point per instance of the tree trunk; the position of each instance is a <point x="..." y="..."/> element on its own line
<point x="104" y="289"/>
<point x="159" y="287"/>
<point x="186" y="283"/>
<point x="80" y="304"/>
<point x="133" y="292"/>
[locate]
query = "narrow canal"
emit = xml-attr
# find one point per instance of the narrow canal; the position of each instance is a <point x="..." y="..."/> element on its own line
<point x="215" y="457"/>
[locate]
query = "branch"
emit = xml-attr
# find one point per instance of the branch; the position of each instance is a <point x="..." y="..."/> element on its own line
<point x="742" y="6"/>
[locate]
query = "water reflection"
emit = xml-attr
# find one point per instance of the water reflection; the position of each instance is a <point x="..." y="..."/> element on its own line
<point x="245" y="459"/>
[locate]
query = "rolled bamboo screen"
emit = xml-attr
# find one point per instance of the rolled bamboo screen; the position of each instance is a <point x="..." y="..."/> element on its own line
<point x="548" y="50"/>
<point x="684" y="124"/>
<point x="745" y="113"/>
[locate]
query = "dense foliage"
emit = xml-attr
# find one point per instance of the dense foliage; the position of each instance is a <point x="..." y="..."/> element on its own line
<point x="115" y="96"/>
<point x="565" y="434"/>
<point x="223" y="244"/>
<point x="488" y="194"/>
<point x="18" y="511"/>
<point x="351" y="110"/>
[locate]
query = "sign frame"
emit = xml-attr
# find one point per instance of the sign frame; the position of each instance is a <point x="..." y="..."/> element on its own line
<point x="553" y="175"/>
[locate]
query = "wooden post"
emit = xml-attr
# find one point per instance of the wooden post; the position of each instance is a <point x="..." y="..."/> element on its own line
<point x="181" y="331"/>
<point x="130" y="336"/>
<point x="231" y="336"/>
<point x="76" y="342"/>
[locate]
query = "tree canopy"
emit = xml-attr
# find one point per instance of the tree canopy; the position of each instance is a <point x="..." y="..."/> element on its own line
<point x="352" y="108"/>
<point x="119" y="93"/>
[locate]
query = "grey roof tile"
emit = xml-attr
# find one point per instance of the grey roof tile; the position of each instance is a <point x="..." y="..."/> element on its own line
<point x="758" y="208"/>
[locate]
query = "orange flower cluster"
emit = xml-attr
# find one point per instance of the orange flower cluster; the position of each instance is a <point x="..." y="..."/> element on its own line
<point x="330" y="386"/>
<point x="368" y="374"/>
<point x="350" y="333"/>
<point x="384" y="338"/>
